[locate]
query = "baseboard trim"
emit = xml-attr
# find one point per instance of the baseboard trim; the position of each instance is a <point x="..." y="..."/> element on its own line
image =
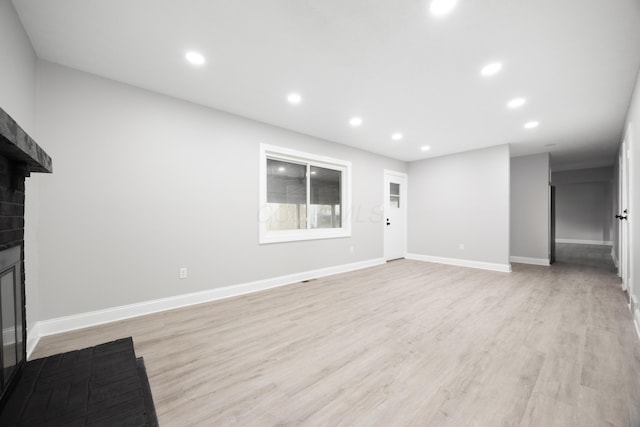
<point x="636" y="322"/>
<point x="614" y="258"/>
<point x="99" y="317"/>
<point x="33" y="337"/>
<point x="504" y="268"/>
<point x="586" y="242"/>
<point x="527" y="260"/>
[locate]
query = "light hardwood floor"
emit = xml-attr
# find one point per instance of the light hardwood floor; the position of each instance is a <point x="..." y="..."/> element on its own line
<point x="406" y="343"/>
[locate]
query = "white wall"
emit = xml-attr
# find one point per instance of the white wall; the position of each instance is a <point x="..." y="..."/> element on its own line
<point x="584" y="205"/>
<point x="18" y="99"/>
<point x="461" y="199"/>
<point x="602" y="174"/>
<point x="530" y="209"/>
<point x="145" y="184"/>
<point x="18" y="70"/>
<point x="632" y="132"/>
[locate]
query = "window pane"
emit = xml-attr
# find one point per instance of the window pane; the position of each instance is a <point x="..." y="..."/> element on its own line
<point x="326" y="198"/>
<point x="286" y="195"/>
<point x="394" y="195"/>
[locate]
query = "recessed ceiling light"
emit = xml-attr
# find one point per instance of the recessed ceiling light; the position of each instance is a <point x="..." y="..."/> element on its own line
<point x="355" y="121"/>
<point x="313" y="172"/>
<point x="281" y="169"/>
<point x="425" y="148"/>
<point x="396" y="136"/>
<point x="515" y="103"/>
<point x="531" y="125"/>
<point x="491" y="69"/>
<point x="195" y="58"/>
<point x="294" y="98"/>
<point x="442" y="7"/>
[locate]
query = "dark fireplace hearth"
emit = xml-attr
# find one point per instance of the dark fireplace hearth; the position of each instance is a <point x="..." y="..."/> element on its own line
<point x="19" y="157"/>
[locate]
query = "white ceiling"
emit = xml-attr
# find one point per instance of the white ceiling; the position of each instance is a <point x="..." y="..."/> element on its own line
<point x="388" y="61"/>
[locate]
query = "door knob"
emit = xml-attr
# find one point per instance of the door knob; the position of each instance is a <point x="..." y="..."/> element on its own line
<point x="388" y="223"/>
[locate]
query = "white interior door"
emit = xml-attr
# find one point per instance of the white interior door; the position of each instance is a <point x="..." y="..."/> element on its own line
<point x="623" y="216"/>
<point x="395" y="215"/>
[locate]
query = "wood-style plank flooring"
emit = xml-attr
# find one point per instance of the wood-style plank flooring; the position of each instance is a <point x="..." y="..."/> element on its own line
<point x="403" y="344"/>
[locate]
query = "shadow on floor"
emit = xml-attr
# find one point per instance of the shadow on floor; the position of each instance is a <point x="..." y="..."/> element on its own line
<point x="595" y="256"/>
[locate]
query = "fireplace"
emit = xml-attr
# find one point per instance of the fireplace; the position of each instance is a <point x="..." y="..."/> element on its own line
<point x="11" y="321"/>
<point x="19" y="157"/>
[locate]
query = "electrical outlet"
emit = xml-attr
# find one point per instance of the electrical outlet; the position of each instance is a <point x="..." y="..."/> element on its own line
<point x="462" y="246"/>
<point x="183" y="272"/>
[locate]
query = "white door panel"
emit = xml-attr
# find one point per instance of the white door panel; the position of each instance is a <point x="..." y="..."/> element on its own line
<point x="395" y="215"/>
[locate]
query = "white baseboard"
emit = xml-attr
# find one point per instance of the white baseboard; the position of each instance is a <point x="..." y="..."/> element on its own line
<point x="527" y="260"/>
<point x="614" y="258"/>
<point x="586" y="242"/>
<point x="505" y="268"/>
<point x="33" y="336"/>
<point x="636" y="321"/>
<point x="99" y="317"/>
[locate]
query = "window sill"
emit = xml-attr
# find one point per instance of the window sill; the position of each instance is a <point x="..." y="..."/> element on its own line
<point x="302" y="235"/>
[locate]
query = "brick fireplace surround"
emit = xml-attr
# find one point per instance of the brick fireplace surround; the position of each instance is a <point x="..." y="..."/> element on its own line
<point x="19" y="157"/>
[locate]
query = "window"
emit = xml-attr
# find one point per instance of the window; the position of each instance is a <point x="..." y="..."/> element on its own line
<point x="394" y="195"/>
<point x="302" y="196"/>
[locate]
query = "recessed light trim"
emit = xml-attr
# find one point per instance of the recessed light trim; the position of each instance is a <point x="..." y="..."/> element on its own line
<point x="442" y="7"/>
<point x="194" y="58"/>
<point x="516" y="103"/>
<point x="491" y="69"/>
<point x="281" y="169"/>
<point x="355" y="121"/>
<point x="294" y="98"/>
<point x="397" y="136"/>
<point x="531" y="125"/>
<point x="425" y="148"/>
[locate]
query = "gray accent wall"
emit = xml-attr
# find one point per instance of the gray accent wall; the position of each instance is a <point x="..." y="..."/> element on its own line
<point x="461" y="199"/>
<point x="579" y="176"/>
<point x="585" y="204"/>
<point x="18" y="99"/>
<point x="145" y="184"/>
<point x="530" y="207"/>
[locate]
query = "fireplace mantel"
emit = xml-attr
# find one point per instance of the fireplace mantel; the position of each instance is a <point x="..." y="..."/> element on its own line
<point x="20" y="148"/>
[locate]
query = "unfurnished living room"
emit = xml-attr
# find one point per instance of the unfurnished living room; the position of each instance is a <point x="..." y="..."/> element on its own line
<point x="319" y="213"/>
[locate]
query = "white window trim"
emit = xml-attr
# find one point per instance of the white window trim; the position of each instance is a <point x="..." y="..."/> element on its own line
<point x="281" y="153"/>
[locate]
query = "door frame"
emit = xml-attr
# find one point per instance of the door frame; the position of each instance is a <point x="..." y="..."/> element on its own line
<point x="403" y="196"/>
<point x="626" y="269"/>
<point x="630" y="270"/>
<point x="623" y="201"/>
<point x="552" y="223"/>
